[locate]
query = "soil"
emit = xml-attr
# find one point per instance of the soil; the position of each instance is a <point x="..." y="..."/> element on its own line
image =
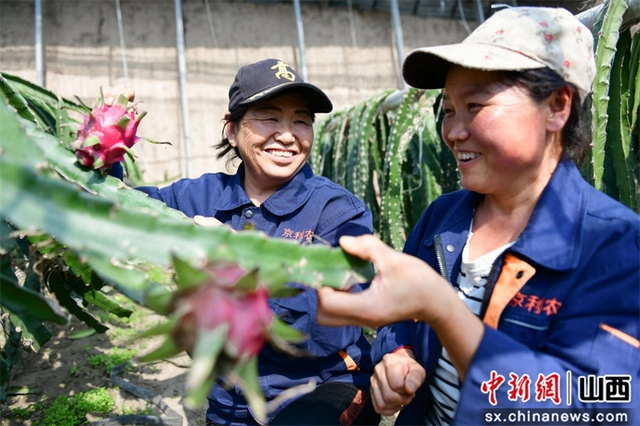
<point x="62" y="368"/>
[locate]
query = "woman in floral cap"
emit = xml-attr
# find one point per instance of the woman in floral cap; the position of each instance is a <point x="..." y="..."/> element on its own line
<point x="522" y="294"/>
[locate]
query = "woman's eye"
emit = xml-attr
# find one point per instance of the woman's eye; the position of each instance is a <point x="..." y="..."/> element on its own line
<point x="474" y="107"/>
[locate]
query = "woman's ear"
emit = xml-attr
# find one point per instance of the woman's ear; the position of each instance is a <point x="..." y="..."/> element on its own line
<point x="230" y="133"/>
<point x="559" y="108"/>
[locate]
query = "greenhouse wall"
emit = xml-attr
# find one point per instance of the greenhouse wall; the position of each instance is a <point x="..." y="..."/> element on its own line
<point x="350" y="54"/>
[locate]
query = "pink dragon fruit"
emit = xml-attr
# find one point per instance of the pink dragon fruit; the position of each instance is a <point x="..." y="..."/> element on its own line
<point x="246" y="314"/>
<point x="106" y="134"/>
<point x="220" y="315"/>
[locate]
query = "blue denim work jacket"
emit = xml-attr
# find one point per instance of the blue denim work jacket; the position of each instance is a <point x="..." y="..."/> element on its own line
<point x="564" y="298"/>
<point x="307" y="208"/>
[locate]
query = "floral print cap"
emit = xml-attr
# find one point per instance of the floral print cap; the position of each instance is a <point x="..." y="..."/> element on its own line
<point x="513" y="39"/>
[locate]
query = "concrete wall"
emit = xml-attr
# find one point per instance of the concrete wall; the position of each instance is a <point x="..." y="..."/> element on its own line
<point x="83" y="52"/>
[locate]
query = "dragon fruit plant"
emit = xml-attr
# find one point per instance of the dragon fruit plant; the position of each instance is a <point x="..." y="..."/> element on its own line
<point x="107" y="133"/>
<point x="220" y="315"/>
<point x="102" y="233"/>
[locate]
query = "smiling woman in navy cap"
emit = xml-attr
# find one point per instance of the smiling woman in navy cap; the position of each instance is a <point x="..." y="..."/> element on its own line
<point x="269" y="128"/>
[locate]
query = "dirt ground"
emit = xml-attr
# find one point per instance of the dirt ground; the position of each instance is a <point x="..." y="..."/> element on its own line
<point x="62" y="368"/>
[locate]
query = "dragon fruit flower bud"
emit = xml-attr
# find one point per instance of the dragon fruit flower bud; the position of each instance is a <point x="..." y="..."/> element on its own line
<point x="106" y="135"/>
<point x="247" y="315"/>
<point x="220" y="315"/>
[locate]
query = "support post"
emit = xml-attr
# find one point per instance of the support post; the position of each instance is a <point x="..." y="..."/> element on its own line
<point x="182" y="79"/>
<point x="39" y="47"/>
<point x="300" y="30"/>
<point x="397" y="30"/>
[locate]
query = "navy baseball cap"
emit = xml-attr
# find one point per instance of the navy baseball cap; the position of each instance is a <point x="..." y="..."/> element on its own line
<point x="266" y="78"/>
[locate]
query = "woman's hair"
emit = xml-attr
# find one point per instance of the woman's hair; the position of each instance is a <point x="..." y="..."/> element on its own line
<point x="224" y="147"/>
<point x="540" y="84"/>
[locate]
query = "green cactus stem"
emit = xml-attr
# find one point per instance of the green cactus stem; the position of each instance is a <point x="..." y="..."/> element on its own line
<point x="618" y="145"/>
<point x="95" y="227"/>
<point x="392" y="204"/>
<point x="354" y="145"/>
<point x="368" y="149"/>
<point x="606" y="40"/>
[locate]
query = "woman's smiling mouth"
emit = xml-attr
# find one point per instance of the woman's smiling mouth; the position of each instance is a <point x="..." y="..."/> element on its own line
<point x="280" y="153"/>
<point x="468" y="156"/>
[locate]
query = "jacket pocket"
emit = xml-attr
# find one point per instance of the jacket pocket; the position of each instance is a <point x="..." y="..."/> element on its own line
<point x="616" y="351"/>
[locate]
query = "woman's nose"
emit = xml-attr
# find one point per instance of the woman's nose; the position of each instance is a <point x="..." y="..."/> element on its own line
<point x="285" y="134"/>
<point x="457" y="130"/>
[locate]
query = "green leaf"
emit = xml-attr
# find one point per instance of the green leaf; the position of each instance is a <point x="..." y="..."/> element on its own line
<point x="57" y="281"/>
<point x="124" y="121"/>
<point x="285" y="291"/>
<point x="168" y="349"/>
<point x="90" y="140"/>
<point x="634" y="81"/>
<point x="195" y="399"/>
<point x="248" y="282"/>
<point x="205" y="355"/>
<point x="187" y="275"/>
<point x="102" y="301"/>
<point x="282" y="331"/>
<point x="17" y="101"/>
<point x="34" y="333"/>
<point x="132" y="281"/>
<point x="43" y="96"/>
<point x="23" y="301"/>
<point x="246" y="374"/>
<point x="5" y="375"/>
<point x="23" y="390"/>
<point x="281" y="335"/>
<point x="122" y="100"/>
<point x="163" y="328"/>
<point x="82" y="334"/>
<point x="47" y="110"/>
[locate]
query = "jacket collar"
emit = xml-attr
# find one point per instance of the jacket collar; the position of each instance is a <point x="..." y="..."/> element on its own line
<point x="284" y="201"/>
<point x="455" y="223"/>
<point x="553" y="236"/>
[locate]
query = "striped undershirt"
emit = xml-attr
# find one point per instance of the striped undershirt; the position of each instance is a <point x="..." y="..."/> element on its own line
<point x="445" y="386"/>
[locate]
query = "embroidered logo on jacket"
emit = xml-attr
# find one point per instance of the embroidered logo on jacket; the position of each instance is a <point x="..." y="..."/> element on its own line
<point x="536" y="304"/>
<point x="298" y="235"/>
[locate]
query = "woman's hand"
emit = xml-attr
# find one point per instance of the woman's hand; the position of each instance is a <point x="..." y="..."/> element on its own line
<point x="111" y="94"/>
<point x="404" y="288"/>
<point x="395" y="381"/>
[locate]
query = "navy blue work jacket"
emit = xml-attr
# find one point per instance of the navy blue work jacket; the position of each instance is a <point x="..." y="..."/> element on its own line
<point x="307" y="206"/>
<point x="562" y="303"/>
